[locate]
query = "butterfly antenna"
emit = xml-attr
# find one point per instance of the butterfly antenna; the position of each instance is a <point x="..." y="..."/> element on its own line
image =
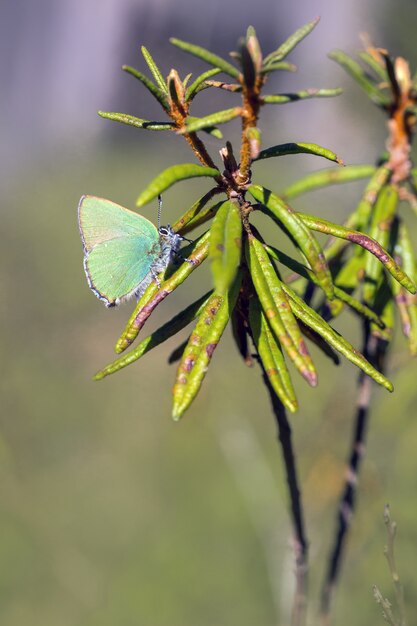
<point x="159" y="210"/>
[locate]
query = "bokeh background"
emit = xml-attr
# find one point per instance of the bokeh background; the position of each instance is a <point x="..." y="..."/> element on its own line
<point x="109" y="512"/>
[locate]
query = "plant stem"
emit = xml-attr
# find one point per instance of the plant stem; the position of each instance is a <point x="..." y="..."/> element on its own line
<point x="374" y="350"/>
<point x="298" y="617"/>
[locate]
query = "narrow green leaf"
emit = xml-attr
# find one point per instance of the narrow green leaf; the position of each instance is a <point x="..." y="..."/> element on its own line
<point x="359" y="75"/>
<point x="225" y="246"/>
<point x="284" y="149"/>
<point x="207" y="56"/>
<point x="137" y="122"/>
<point x="309" y="246"/>
<point x="369" y="244"/>
<point x="380" y="227"/>
<point x="284" y="98"/>
<point x="200" y="83"/>
<point x="271" y="356"/>
<point x="276" y="308"/>
<point x="290" y="43"/>
<point x="370" y="195"/>
<point x="313" y="319"/>
<point x="279" y="65"/>
<point x="159" y="79"/>
<point x="177" y="323"/>
<point x="199" y="350"/>
<point x="158" y="93"/>
<point x="339" y="293"/>
<point x="379" y="69"/>
<point x="220" y="117"/>
<point x="327" y="177"/>
<point x="173" y="175"/>
<point x="186" y="222"/>
<point x="154" y="295"/>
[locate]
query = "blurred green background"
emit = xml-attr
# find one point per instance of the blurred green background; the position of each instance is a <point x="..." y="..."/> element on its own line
<point x="109" y="512"/>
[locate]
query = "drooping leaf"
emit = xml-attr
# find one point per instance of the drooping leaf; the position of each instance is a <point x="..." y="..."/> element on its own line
<point x="200" y="347"/>
<point x="177" y="323"/>
<point x="313" y="319"/>
<point x="225" y="246"/>
<point x="271" y="356"/>
<point x="369" y="244"/>
<point x="173" y="175"/>
<point x="309" y="246"/>
<point x="275" y="305"/>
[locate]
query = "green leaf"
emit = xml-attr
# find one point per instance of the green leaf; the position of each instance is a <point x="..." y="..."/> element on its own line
<point x="340" y="294"/>
<point x="380" y="70"/>
<point x="225" y="246"/>
<point x="275" y="305"/>
<point x="154" y="295"/>
<point x="271" y="356"/>
<point x="177" y="323"/>
<point x="207" y="56"/>
<point x="290" y="43"/>
<point x="201" y="345"/>
<point x="309" y="246"/>
<point x="368" y="243"/>
<point x="359" y="75"/>
<point x="200" y="83"/>
<point x="381" y="223"/>
<point x="283" y="98"/>
<point x="327" y="177"/>
<point x="159" y="79"/>
<point x="137" y="122"/>
<point x="173" y="175"/>
<point x="279" y="65"/>
<point x="298" y="148"/>
<point x="188" y="220"/>
<point x="220" y="117"/>
<point x="370" y="195"/>
<point x="158" y="93"/>
<point x="336" y="341"/>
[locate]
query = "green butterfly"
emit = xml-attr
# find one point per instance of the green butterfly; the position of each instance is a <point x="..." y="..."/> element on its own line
<point x="123" y="251"/>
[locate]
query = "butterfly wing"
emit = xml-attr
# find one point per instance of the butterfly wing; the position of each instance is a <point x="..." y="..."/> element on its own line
<point x="120" y="248"/>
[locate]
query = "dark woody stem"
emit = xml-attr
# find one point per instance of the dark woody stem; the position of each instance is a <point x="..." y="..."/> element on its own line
<point x="298" y="616"/>
<point x="374" y="350"/>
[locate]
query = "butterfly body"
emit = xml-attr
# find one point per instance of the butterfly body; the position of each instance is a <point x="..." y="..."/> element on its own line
<point x="123" y="251"/>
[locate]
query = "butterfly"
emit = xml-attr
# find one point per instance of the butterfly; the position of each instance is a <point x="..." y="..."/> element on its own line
<point x="123" y="251"/>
